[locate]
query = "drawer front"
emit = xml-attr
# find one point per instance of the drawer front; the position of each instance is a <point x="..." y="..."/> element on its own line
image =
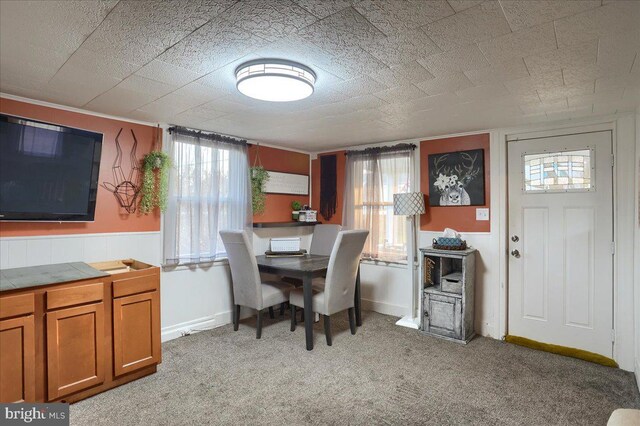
<point x="76" y="295"/>
<point x="451" y="286"/>
<point x="444" y="316"/>
<point x="13" y="306"/>
<point x="129" y="286"/>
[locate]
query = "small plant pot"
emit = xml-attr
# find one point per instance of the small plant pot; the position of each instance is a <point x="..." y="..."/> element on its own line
<point x="295" y="215"/>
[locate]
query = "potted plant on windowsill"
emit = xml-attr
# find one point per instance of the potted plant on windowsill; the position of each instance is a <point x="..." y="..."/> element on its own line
<point x="296" y="206"/>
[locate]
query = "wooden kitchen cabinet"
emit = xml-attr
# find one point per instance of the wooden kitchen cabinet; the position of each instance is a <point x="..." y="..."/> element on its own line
<point x="75" y="335"/>
<point x="66" y="341"/>
<point x="17" y="362"/>
<point x="18" y="353"/>
<point x="136" y="324"/>
<point x="75" y="349"/>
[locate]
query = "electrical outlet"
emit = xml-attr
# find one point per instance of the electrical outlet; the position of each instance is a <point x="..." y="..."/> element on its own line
<point x="482" y="214"/>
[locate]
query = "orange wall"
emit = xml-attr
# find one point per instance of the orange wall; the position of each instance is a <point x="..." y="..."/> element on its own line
<point x="341" y="161"/>
<point x="278" y="206"/>
<point x="462" y="218"/>
<point x="108" y="217"/>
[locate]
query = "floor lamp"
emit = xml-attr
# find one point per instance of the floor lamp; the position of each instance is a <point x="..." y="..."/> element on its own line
<point x="410" y="204"/>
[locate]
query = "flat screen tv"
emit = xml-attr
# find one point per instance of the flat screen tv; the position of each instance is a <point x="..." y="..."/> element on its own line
<point x="47" y="172"/>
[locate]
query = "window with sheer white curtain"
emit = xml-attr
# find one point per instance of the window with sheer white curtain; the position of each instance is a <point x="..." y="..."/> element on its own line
<point x="372" y="177"/>
<point x="209" y="191"/>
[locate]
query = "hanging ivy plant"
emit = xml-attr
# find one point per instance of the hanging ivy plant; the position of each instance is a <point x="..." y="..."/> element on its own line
<point x="155" y="181"/>
<point x="258" y="178"/>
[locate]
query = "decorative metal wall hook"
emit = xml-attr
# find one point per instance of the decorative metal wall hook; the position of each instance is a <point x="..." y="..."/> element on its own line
<point x="125" y="190"/>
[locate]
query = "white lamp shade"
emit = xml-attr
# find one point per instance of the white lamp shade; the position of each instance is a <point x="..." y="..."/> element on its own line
<point x="408" y="204"/>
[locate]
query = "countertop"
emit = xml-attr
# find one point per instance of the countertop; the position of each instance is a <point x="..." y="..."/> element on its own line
<point x="35" y="276"/>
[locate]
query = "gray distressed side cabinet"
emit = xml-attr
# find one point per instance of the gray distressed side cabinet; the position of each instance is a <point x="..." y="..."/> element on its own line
<point x="446" y="308"/>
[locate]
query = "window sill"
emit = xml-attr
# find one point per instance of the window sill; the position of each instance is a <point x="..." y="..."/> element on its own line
<point x="389" y="263"/>
<point x="195" y="265"/>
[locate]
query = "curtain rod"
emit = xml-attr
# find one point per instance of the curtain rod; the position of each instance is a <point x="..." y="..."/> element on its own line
<point x="383" y="149"/>
<point x="206" y="135"/>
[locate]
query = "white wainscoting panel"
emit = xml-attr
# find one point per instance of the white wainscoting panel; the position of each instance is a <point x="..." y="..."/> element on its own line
<point x="386" y="288"/>
<point x="200" y="297"/>
<point x="262" y="236"/>
<point x="16" y="252"/>
<point x="64" y="250"/>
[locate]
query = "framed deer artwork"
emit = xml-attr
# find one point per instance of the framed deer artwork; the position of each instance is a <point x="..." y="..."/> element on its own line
<point x="457" y="178"/>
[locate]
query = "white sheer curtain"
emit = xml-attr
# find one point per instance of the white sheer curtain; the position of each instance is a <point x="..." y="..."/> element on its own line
<point x="372" y="177"/>
<point x="209" y="191"/>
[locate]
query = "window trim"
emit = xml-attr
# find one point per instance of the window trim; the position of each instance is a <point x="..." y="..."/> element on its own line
<point x="229" y="152"/>
<point x="389" y="153"/>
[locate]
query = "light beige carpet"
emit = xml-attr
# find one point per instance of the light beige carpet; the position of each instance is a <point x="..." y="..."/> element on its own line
<point x="385" y="374"/>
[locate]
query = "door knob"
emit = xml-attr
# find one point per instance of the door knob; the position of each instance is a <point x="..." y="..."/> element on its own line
<point x="515" y="238"/>
<point x="515" y="253"/>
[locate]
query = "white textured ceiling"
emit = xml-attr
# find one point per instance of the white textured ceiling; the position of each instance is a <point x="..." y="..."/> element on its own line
<point x="387" y="69"/>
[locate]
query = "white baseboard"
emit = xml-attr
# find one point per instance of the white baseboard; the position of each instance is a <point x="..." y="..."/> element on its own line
<point x="205" y="323"/>
<point x="218" y="320"/>
<point x="223" y="318"/>
<point x="178" y="330"/>
<point x="385" y="308"/>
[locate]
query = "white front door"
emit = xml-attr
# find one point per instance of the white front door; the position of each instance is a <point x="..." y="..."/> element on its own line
<point x="561" y="240"/>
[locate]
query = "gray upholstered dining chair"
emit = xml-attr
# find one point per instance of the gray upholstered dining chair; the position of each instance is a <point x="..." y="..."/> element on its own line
<point x="322" y="241"/>
<point x="248" y="288"/>
<point x="340" y="285"/>
<point x="324" y="237"/>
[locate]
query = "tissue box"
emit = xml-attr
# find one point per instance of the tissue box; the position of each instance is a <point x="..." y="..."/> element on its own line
<point x="453" y="242"/>
<point x="447" y="243"/>
<point x="279" y="245"/>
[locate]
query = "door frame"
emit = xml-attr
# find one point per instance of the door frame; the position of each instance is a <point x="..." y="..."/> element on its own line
<point x="623" y="142"/>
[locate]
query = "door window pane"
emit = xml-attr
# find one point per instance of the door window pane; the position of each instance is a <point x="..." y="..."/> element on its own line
<point x="558" y="171"/>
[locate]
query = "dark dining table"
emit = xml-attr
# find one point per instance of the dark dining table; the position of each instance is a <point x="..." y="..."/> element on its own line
<point x="306" y="268"/>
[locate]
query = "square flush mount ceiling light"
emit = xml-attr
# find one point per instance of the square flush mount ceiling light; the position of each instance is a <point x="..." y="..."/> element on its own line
<point x="275" y="80"/>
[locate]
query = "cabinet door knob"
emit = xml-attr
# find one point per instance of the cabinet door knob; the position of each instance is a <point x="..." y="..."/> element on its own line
<point x="515" y="253"/>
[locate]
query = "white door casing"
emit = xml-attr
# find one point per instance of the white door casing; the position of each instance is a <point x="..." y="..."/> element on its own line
<point x="561" y="285"/>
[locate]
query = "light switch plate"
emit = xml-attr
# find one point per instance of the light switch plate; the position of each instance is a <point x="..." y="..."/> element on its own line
<point x="482" y="214"/>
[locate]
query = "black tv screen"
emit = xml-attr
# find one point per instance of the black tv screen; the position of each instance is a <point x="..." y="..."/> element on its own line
<point x="47" y="172"/>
